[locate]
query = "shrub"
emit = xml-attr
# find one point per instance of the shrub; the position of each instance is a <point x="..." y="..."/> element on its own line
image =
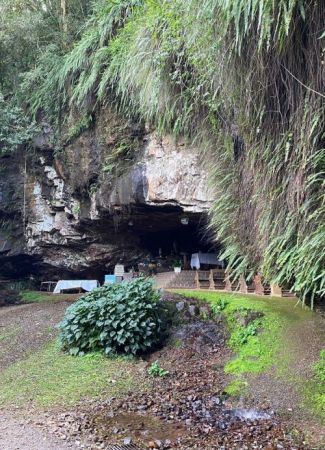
<point x="117" y="319"/>
<point x="219" y="305"/>
<point x="242" y="334"/>
<point x="156" y="371"/>
<point x="9" y="297"/>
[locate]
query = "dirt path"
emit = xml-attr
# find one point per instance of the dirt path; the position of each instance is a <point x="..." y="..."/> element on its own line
<point x="20" y="434"/>
<point x="26" y="328"/>
<point x="282" y="388"/>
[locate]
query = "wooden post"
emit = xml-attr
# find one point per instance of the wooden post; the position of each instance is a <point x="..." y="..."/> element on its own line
<point x="276" y="291"/>
<point x="212" y="286"/>
<point x="197" y="281"/>
<point x="259" y="289"/>
<point x="228" y="282"/>
<point x="242" y="285"/>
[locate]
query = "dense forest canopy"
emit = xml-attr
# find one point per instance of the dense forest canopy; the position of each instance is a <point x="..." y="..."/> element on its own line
<point x="241" y="79"/>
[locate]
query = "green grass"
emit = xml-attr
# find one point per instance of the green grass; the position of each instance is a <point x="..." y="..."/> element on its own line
<point x="41" y="297"/>
<point x="8" y="335"/>
<point x="236" y="388"/>
<point x="50" y="377"/>
<point x="315" y="388"/>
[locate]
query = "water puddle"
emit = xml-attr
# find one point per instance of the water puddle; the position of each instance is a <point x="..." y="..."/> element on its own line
<point x="137" y="429"/>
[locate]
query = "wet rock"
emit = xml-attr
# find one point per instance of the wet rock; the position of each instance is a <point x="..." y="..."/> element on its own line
<point x="180" y="306"/>
<point x="249" y="414"/>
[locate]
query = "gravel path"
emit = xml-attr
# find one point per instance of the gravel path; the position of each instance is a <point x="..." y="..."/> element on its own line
<point x="19" y="434"/>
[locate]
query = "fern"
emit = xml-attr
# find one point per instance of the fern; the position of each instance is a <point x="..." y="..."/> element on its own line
<point x="241" y="80"/>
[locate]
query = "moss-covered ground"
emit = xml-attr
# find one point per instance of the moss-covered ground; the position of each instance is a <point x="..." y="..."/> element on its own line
<point x="271" y="342"/>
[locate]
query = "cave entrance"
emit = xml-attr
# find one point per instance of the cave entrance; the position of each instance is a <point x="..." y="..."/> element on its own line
<point x="167" y="235"/>
<point x="175" y="241"/>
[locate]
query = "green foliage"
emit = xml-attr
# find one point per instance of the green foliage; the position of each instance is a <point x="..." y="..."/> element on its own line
<point x="242" y="80"/>
<point x="237" y="388"/>
<point x="242" y="334"/>
<point x="15" y="128"/>
<point x="120" y="157"/>
<point x="28" y="28"/>
<point x="117" y="319"/>
<point x="79" y="127"/>
<point x="177" y="263"/>
<point x="315" y="388"/>
<point x="219" y="305"/>
<point x="156" y="371"/>
<point x="320" y="367"/>
<point x="193" y="68"/>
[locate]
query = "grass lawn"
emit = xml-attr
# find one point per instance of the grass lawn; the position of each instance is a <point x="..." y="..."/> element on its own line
<point x="43" y="297"/>
<point x="52" y="378"/>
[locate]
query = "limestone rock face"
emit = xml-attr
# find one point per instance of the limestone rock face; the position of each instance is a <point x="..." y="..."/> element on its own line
<point x="79" y="213"/>
<point x="166" y="174"/>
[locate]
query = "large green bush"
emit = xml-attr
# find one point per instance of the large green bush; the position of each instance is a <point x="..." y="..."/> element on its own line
<point x="117" y="319"/>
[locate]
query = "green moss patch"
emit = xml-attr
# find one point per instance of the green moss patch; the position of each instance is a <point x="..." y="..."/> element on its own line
<point x="237" y="388"/>
<point x="258" y="345"/>
<point x="50" y="377"/>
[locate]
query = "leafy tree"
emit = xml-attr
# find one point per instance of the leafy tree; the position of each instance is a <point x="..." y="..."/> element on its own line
<point x="15" y="128"/>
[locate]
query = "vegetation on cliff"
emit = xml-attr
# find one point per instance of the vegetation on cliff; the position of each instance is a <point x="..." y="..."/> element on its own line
<point x="241" y="79"/>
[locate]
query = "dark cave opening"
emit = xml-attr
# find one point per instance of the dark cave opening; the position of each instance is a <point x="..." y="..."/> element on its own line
<point x="161" y="233"/>
<point x="176" y="240"/>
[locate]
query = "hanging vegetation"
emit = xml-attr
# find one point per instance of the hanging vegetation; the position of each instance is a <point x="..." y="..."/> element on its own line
<point x="244" y="80"/>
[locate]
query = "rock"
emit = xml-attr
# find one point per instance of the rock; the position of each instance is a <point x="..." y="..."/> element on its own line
<point x="216" y="400"/>
<point x="192" y="309"/>
<point x="204" y="312"/>
<point x="59" y="202"/>
<point x="180" y="306"/>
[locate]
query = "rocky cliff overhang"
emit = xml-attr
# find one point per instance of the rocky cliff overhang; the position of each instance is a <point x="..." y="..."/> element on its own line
<point x="77" y="219"/>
